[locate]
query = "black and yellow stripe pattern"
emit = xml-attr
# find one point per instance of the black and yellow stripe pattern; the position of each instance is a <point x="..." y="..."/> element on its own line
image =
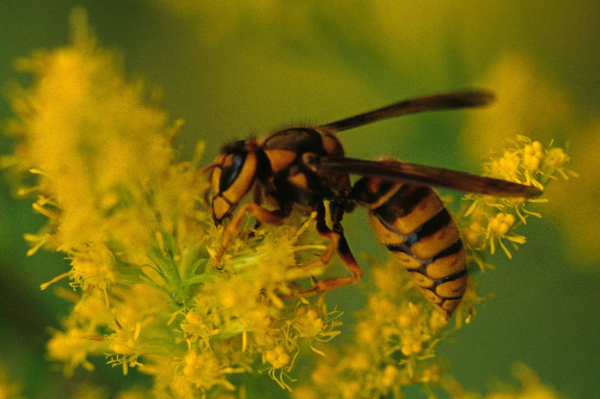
<point x="413" y="223"/>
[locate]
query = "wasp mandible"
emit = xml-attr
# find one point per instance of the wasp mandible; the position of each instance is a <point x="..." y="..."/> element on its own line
<point x="305" y="166"/>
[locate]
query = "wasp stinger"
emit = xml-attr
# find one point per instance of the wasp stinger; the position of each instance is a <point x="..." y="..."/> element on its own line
<point x="305" y="166"/>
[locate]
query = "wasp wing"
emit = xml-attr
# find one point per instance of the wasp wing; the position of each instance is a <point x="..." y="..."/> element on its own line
<point x="436" y="102"/>
<point x="429" y="176"/>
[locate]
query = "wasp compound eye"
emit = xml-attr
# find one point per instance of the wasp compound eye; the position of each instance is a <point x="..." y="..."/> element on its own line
<point x="232" y="164"/>
<point x="233" y="177"/>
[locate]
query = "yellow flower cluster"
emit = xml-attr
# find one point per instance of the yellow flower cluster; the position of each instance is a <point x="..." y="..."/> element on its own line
<point x="9" y="389"/>
<point x="96" y="152"/>
<point x="393" y="347"/>
<point x="531" y="388"/>
<point x="490" y="221"/>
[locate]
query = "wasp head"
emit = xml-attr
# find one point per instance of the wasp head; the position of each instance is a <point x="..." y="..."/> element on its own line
<point x="234" y="172"/>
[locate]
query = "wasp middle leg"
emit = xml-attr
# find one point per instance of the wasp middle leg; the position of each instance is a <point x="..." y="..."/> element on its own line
<point x="337" y="243"/>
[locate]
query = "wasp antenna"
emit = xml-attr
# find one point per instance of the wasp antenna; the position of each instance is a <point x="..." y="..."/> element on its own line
<point x="208" y="168"/>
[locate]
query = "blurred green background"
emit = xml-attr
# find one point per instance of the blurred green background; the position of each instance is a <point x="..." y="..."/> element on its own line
<point x="231" y="69"/>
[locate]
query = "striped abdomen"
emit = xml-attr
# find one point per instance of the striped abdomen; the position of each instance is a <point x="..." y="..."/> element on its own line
<point x="413" y="223"/>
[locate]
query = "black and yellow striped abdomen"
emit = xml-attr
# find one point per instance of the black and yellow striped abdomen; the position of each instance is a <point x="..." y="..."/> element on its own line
<point x="413" y="223"/>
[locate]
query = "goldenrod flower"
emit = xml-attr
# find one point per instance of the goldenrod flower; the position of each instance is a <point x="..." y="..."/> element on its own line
<point x="531" y="388"/>
<point x="491" y="221"/>
<point x="8" y="389"/>
<point x="95" y="150"/>
<point x="132" y="223"/>
<point x="278" y="357"/>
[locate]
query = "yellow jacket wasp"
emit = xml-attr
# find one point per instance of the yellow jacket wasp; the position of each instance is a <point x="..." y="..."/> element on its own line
<point x="305" y="166"/>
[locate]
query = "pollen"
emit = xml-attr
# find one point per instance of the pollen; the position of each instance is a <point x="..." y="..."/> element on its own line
<point x="390" y="375"/>
<point x="556" y="158"/>
<point x="532" y="155"/>
<point x="278" y="357"/>
<point x="501" y="224"/>
<point x="360" y="361"/>
<point x="308" y="323"/>
<point x="506" y="167"/>
<point x="472" y="233"/>
<point x="411" y="347"/>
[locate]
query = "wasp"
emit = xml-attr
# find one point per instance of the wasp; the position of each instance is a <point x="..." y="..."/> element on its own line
<point x="304" y="167"/>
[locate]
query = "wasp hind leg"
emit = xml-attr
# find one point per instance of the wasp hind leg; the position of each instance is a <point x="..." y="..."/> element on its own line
<point x="337" y="243"/>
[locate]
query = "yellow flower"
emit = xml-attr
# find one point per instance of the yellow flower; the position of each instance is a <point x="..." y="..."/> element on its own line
<point x="93" y="142"/>
<point x="202" y="369"/>
<point x="278" y="357"/>
<point x="531" y="388"/>
<point x="72" y="348"/>
<point x="135" y="226"/>
<point x="9" y="390"/>
<point x="93" y="266"/>
<point x="491" y="220"/>
<point x="532" y="155"/>
<point x="390" y="375"/>
<point x="308" y="323"/>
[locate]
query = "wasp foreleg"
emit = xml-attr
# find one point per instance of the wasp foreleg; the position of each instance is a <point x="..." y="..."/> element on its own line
<point x="261" y="215"/>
